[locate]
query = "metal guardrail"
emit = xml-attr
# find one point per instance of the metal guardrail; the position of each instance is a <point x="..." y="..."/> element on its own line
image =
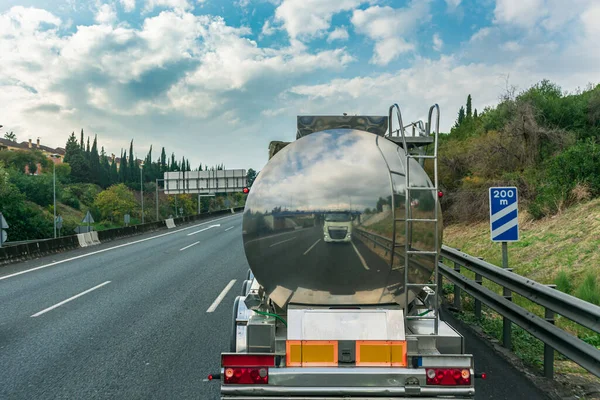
<point x="554" y="302"/>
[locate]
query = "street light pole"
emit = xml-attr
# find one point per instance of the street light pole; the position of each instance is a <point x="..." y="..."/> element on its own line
<point x="54" y="190"/>
<point x="142" y="188"/>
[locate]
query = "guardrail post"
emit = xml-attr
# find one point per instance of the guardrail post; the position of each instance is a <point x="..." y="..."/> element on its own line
<point x="479" y="280"/>
<point x="456" y="288"/>
<point x="549" y="351"/>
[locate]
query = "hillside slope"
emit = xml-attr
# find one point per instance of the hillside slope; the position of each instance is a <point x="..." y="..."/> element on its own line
<point x="569" y="242"/>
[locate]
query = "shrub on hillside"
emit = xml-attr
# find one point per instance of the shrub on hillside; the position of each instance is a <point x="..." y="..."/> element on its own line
<point x="114" y="202"/>
<point x="563" y="283"/>
<point x="572" y="176"/>
<point x="589" y="290"/>
<point x="36" y="188"/>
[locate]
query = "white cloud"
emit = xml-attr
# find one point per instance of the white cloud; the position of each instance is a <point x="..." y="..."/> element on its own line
<point x="339" y="33"/>
<point x="128" y="5"/>
<point x="438" y="43"/>
<point x="267" y="29"/>
<point x="524" y="13"/>
<point x="106" y="14"/>
<point x="511" y="46"/>
<point x="591" y="21"/>
<point x="176" y="4"/>
<point x="453" y="4"/>
<point x="387" y="26"/>
<point x="481" y="34"/>
<point x="309" y="18"/>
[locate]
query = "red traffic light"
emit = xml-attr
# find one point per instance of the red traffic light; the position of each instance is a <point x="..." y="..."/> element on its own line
<point x="246" y="190"/>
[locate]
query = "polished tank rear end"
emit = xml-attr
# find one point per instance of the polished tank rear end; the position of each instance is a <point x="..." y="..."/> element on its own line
<point x="320" y="219"/>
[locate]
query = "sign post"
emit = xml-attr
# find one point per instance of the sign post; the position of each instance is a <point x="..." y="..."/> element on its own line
<point x="89" y="219"/>
<point x="3" y="226"/>
<point x="504" y="228"/>
<point x="59" y="224"/>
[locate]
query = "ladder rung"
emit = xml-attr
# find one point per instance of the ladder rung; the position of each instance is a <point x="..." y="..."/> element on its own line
<point x="431" y="285"/>
<point x="416" y="220"/>
<point x="397" y="173"/>
<point x="423" y="156"/>
<point x="416" y="317"/>
<point x="421" y="188"/>
<point x="421" y="252"/>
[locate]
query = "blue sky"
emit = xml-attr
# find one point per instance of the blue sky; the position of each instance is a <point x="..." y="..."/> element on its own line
<point x="215" y="81"/>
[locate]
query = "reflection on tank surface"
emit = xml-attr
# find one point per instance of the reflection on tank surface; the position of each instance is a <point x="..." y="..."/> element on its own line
<point x="311" y="209"/>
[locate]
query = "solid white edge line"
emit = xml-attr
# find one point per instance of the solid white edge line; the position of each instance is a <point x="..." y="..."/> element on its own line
<point x="68" y="300"/>
<point x="110" y="248"/>
<point x="283" y="241"/>
<point x="311" y="247"/>
<point x="362" y="260"/>
<point x="220" y="298"/>
<point x="187" y="247"/>
<point x="231" y="227"/>
<point x="205" y="229"/>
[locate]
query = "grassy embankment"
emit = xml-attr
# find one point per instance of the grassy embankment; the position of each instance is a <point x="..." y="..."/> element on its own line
<point x="562" y="250"/>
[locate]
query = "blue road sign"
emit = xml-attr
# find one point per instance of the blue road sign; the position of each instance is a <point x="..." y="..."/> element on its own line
<point x="504" y="214"/>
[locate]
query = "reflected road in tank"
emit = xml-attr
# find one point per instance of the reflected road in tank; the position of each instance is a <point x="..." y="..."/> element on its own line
<point x="302" y="217"/>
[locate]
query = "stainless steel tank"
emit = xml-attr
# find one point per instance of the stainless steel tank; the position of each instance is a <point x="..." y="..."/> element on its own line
<point x="318" y="222"/>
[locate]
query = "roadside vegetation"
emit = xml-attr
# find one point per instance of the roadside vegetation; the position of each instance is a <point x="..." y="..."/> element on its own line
<point x="542" y="140"/>
<point x="547" y="144"/>
<point x="90" y="180"/>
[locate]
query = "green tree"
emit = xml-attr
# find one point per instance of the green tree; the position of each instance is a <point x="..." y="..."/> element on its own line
<point x="74" y="156"/>
<point x="10" y="136"/>
<point x="163" y="161"/>
<point x="250" y="177"/>
<point x="461" y="117"/>
<point x="475" y="114"/>
<point x="114" y="202"/>
<point x="132" y="164"/>
<point x="469" y="105"/>
<point x="26" y="221"/>
<point x="95" y="168"/>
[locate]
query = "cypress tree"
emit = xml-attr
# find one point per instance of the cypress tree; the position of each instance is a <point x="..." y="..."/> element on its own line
<point x="163" y="161"/>
<point x="95" y="168"/>
<point x="461" y="116"/>
<point x="132" y="163"/>
<point x="475" y="114"/>
<point x="81" y="143"/>
<point x="469" y="114"/>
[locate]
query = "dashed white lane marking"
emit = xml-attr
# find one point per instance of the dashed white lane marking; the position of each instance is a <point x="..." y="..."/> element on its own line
<point x="220" y="298"/>
<point x="110" y="248"/>
<point x="311" y="247"/>
<point x="205" y="229"/>
<point x="231" y="227"/>
<point x="283" y="241"/>
<point x="187" y="247"/>
<point x="69" y="299"/>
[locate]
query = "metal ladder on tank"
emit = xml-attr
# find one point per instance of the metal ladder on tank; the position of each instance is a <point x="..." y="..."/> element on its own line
<point x="409" y="220"/>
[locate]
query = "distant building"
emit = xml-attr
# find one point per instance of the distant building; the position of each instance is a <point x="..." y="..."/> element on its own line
<point x="9" y="145"/>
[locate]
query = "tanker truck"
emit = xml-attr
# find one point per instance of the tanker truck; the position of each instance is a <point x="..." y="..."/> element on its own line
<point x="324" y="320"/>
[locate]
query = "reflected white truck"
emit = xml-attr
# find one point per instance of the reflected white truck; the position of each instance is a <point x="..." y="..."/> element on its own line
<point x="337" y="227"/>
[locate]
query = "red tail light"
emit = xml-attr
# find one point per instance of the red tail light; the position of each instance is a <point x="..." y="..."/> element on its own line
<point x="247" y="360"/>
<point x="247" y="376"/>
<point x="448" y="376"/>
<point x="247" y="369"/>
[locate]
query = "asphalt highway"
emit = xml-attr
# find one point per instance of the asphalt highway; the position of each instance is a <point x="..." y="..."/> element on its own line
<point x="145" y="318"/>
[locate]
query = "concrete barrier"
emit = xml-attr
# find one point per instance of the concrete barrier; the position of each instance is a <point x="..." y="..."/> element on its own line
<point x="95" y="239"/>
<point x="81" y="240"/>
<point x="24" y="251"/>
<point x="88" y="238"/>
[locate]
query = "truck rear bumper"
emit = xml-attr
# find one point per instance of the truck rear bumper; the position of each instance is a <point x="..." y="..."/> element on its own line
<point x="329" y="393"/>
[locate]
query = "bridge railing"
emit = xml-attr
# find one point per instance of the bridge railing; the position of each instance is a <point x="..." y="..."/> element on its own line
<point x="553" y="301"/>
